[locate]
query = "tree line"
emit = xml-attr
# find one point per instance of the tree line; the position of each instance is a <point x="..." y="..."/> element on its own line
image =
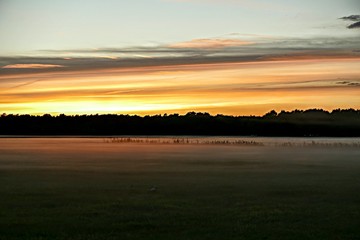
<point x="299" y="123"/>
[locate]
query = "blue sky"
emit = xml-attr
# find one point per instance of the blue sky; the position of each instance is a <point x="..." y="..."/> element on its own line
<point x="27" y="26"/>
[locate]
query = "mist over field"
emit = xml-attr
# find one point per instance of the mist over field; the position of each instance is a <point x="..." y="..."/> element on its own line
<point x="98" y="188"/>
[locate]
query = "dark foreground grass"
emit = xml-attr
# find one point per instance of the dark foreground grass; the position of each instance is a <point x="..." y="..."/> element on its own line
<point x="82" y="189"/>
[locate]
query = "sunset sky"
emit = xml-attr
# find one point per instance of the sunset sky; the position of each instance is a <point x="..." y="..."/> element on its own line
<point x="238" y="57"/>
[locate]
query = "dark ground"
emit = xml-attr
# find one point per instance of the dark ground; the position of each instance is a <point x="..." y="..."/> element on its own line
<point x="88" y="189"/>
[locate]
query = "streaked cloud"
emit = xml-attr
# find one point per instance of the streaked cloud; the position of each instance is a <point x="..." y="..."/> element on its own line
<point x="224" y="77"/>
<point x="248" y="87"/>
<point x="350" y="83"/>
<point x="31" y="66"/>
<point x="193" y="52"/>
<point x="210" y="43"/>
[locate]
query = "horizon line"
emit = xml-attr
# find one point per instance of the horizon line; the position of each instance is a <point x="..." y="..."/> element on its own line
<point x="178" y="114"/>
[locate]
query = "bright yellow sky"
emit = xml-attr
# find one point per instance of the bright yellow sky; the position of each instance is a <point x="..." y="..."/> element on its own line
<point x="250" y="88"/>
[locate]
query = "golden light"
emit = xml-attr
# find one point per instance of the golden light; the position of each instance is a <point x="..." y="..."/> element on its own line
<point x="233" y="88"/>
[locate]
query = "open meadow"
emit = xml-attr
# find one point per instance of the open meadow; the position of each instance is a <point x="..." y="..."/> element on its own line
<point x="94" y="188"/>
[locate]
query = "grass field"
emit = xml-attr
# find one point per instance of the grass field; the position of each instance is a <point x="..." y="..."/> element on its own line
<point x="90" y="189"/>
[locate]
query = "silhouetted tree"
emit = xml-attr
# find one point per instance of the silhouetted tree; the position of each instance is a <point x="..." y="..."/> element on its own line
<point x="312" y="122"/>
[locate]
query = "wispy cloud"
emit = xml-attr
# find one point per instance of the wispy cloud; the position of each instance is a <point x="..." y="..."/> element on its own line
<point x="96" y="85"/>
<point x="210" y="43"/>
<point x="32" y="66"/>
<point x="192" y="52"/>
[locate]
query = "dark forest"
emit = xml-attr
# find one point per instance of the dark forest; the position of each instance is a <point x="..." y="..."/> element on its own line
<point x="297" y="123"/>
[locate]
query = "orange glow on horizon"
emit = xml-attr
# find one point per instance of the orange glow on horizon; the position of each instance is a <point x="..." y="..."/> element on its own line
<point x="251" y="88"/>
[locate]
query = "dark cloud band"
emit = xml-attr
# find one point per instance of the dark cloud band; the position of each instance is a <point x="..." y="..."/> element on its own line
<point x="354" y="18"/>
<point x="354" y="25"/>
<point x="281" y="49"/>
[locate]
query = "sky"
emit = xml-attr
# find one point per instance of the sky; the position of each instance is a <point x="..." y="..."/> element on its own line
<point x="237" y="57"/>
